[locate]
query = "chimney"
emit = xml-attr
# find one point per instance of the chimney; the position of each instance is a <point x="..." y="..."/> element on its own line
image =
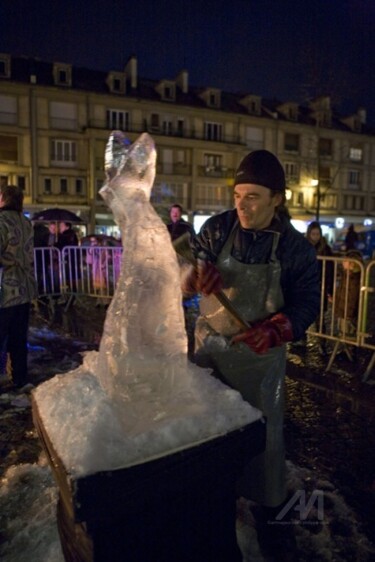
<point x="131" y="70"/>
<point x="362" y="114"/>
<point x="182" y="81"/>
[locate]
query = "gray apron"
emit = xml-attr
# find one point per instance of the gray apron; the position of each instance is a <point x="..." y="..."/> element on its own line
<point x="256" y="292"/>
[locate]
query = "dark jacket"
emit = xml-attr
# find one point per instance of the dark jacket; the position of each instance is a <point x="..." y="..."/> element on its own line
<point x="67" y="238"/>
<point x="299" y="266"/>
<point x="178" y="228"/>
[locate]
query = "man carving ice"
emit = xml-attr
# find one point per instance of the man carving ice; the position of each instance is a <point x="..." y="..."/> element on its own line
<point x="269" y="271"/>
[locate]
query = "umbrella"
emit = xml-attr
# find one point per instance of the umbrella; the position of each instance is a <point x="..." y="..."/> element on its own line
<point x="56" y="214"/>
<point x="104" y="239"/>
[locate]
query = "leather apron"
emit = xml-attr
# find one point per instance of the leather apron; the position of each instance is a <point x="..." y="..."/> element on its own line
<point x="256" y="292"/>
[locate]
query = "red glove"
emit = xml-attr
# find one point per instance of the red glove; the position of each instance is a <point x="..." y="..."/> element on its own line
<point x="204" y="278"/>
<point x="266" y="334"/>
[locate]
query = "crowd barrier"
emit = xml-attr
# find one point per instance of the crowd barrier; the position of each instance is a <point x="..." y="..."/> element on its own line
<point x="346" y="318"/>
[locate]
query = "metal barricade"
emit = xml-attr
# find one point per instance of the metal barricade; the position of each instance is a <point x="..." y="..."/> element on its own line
<point x="367" y="334"/>
<point x="344" y="321"/>
<point x="94" y="271"/>
<point x="91" y="271"/>
<point x="48" y="272"/>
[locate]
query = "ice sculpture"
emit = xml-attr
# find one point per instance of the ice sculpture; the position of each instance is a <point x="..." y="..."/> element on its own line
<point x="144" y="340"/>
<point x="139" y="396"/>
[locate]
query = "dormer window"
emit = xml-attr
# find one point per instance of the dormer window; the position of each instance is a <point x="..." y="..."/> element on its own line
<point x="289" y="111"/>
<point x="4" y="66"/>
<point x="212" y="97"/>
<point x="166" y="90"/>
<point x="292" y="113"/>
<point x="252" y="104"/>
<point x="168" y="93"/>
<point x="213" y="100"/>
<point x="116" y="82"/>
<point x="62" y="74"/>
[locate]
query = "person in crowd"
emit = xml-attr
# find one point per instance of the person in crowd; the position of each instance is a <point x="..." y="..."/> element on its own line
<point x="347" y="294"/>
<point x="18" y="285"/>
<point x="270" y="273"/>
<point x="351" y="238"/>
<point x="68" y="237"/>
<point x="177" y="225"/>
<point x="97" y="259"/>
<point x="315" y="236"/>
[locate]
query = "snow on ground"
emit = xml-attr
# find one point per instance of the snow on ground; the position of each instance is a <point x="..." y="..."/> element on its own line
<point x="28" y="516"/>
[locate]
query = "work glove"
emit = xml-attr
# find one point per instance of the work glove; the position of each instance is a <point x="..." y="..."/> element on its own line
<point x="205" y="278"/>
<point x="266" y="334"/>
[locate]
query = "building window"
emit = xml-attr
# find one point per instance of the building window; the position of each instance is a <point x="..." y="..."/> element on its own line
<point x="118" y="120"/>
<point x="355" y="154"/>
<point x="325" y="176"/>
<point x="168" y="93"/>
<point x="180" y="127"/>
<point x="155" y="122"/>
<point x="8" y="110"/>
<point x="291" y="172"/>
<point x="21" y="182"/>
<point x="47" y="186"/>
<point x="63" y="186"/>
<point x="79" y="186"/>
<point x="63" y="152"/>
<point x="213" y="196"/>
<point x="63" y="115"/>
<point x="164" y="192"/>
<point x="98" y="185"/>
<point x="354" y="179"/>
<point x="8" y="148"/>
<point x="254" y="138"/>
<point x="167" y="90"/>
<point x="325" y="147"/>
<point x="291" y="142"/>
<point x="213" y="161"/>
<point x="353" y="203"/>
<point x="213" y="131"/>
<point x="167" y="127"/>
<point x="62" y="74"/>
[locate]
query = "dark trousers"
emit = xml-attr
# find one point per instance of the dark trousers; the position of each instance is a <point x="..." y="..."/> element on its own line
<point x="14" y="325"/>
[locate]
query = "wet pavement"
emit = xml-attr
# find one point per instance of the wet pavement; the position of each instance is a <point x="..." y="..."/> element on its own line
<point x="329" y="422"/>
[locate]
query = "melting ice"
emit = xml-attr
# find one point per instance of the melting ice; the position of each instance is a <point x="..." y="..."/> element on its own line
<point x="137" y="397"/>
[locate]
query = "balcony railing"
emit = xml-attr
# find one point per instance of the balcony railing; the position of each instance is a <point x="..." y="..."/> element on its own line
<point x="215" y="172"/>
<point x="8" y="118"/>
<point x="186" y="133"/>
<point x="63" y="123"/>
<point x="173" y="169"/>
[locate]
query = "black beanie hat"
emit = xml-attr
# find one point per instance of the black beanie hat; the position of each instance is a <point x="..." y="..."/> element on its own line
<point x="262" y="168"/>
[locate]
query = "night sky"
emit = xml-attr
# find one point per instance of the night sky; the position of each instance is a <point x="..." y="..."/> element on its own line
<point x="291" y="50"/>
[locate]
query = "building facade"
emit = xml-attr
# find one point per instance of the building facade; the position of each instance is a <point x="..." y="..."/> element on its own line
<point x="55" y="120"/>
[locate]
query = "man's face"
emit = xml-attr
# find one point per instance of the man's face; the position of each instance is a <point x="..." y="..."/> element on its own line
<point x="175" y="214"/>
<point x="255" y="206"/>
